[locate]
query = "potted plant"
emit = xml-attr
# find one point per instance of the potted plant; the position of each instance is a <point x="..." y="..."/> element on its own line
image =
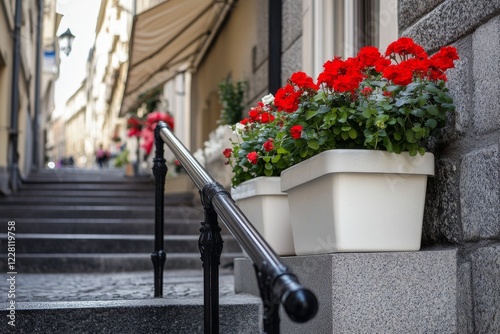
<point x="256" y="183"/>
<point x="365" y="122"/>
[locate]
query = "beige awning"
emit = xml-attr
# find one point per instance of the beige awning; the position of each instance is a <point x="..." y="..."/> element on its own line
<point x="168" y="39"/>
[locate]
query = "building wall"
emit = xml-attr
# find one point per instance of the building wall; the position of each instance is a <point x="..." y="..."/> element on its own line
<point x="463" y="202"/>
<point x="229" y="57"/>
<point x="6" y="26"/>
<point x="26" y="84"/>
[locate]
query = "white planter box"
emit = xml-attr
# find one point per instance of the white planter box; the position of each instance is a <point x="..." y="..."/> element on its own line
<point x="357" y="201"/>
<point x="266" y="207"/>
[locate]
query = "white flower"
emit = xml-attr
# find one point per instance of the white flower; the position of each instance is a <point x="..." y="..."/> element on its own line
<point x="238" y="128"/>
<point x="268" y="99"/>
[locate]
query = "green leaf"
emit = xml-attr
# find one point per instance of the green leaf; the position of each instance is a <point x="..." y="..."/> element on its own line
<point x="433" y="89"/>
<point x="311" y="113"/>
<point x="268" y="166"/>
<point x="400" y="102"/>
<point x="281" y="150"/>
<point x="397" y="136"/>
<point x="345" y="135"/>
<point x="313" y="144"/>
<point x="431" y="123"/>
<point x="353" y="133"/>
<point x="410" y="136"/>
<point x="276" y="158"/>
<point x="323" y="109"/>
<point x="268" y="172"/>
<point x="388" y="144"/>
<point x="433" y="110"/>
<point x="266" y="159"/>
<point x="367" y="113"/>
<point x="303" y="152"/>
<point x="418" y="112"/>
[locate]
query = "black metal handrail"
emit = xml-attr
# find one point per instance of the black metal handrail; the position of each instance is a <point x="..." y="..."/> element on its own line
<point x="277" y="284"/>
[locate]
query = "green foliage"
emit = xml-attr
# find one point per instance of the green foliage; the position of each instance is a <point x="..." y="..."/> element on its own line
<point x="121" y="159"/>
<point x="231" y="98"/>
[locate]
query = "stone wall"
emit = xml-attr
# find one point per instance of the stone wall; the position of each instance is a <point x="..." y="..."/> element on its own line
<point x="463" y="202"/>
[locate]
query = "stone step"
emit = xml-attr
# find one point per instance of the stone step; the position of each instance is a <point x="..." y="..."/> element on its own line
<point x="88" y="186"/>
<point x="238" y="314"/>
<point x="107" y="263"/>
<point x="106" y="243"/>
<point x="94" y="200"/>
<point x="87" y="193"/>
<point x="91" y="211"/>
<point x="106" y="226"/>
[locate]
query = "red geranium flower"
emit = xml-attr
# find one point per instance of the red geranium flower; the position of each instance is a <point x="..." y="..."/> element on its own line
<point x="266" y="117"/>
<point x="303" y="81"/>
<point x="366" y="91"/>
<point x="342" y="76"/>
<point x="369" y="56"/>
<point x="253" y="157"/>
<point x="287" y="99"/>
<point x="296" y="131"/>
<point x="268" y="145"/>
<point x="405" y="46"/>
<point x="227" y="152"/>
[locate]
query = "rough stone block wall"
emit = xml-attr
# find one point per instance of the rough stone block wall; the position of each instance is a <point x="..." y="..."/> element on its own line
<point x="463" y="200"/>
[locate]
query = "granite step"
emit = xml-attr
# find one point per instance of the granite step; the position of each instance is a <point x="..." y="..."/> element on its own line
<point x="33" y="243"/>
<point x="108" y="262"/>
<point x="238" y="314"/>
<point x="95" y="211"/>
<point x="107" y="225"/>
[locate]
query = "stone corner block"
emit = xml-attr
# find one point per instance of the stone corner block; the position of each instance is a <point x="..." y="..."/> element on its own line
<point x="486" y="286"/>
<point x="391" y="292"/>
<point x="486" y="74"/>
<point x="480" y="194"/>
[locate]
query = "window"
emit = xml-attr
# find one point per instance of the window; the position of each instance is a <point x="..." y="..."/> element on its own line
<point x="341" y="27"/>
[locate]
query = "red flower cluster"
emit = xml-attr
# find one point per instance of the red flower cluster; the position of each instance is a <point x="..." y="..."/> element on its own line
<point x="145" y="129"/>
<point x="404" y="47"/>
<point x="420" y="65"/>
<point x="342" y="76"/>
<point x="135" y="126"/>
<point x="287" y="98"/>
<point x="258" y="114"/>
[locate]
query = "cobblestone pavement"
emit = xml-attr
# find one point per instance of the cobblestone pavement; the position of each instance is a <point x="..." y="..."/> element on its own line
<point x="110" y="286"/>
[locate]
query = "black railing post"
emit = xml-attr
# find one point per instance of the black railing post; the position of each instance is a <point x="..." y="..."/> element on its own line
<point x="210" y="244"/>
<point x="159" y="171"/>
<point x="271" y="316"/>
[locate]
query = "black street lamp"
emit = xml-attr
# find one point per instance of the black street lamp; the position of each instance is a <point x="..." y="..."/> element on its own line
<point x="65" y="41"/>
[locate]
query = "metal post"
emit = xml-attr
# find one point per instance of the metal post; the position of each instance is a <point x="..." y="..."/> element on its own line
<point x="210" y="244"/>
<point x="271" y="317"/>
<point x="159" y="171"/>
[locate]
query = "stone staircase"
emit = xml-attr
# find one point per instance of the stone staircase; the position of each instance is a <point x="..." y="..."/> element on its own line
<point x="99" y="221"/>
<point x="83" y="245"/>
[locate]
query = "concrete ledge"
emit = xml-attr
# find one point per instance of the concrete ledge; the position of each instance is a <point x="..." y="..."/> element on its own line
<point x="393" y="292"/>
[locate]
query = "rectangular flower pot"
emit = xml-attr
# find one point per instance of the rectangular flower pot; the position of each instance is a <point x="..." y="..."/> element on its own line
<point x="357" y="201"/>
<point x="266" y="207"/>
